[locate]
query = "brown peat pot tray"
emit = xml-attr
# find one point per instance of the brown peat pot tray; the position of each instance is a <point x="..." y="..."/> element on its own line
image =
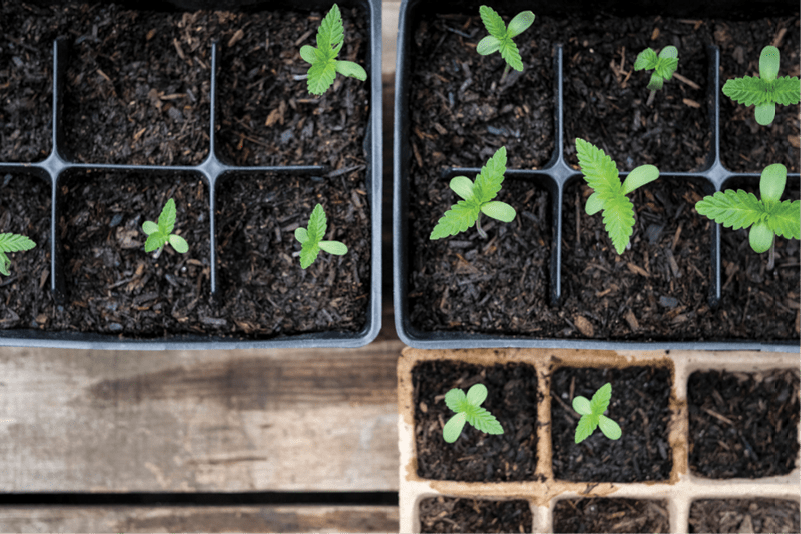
<point x="107" y="111"/>
<point x="551" y="278"/>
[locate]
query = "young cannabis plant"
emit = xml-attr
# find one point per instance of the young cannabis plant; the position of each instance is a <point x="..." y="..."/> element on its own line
<point x="500" y="37"/>
<point x="592" y="415"/>
<point x="766" y="91"/>
<point x="477" y="200"/>
<point x="12" y="243"/>
<point x="310" y="239"/>
<point x="160" y="234"/>
<point x="663" y="66"/>
<point x="767" y="217"/>
<point x="323" y="59"/>
<point x="468" y="408"/>
<point x="609" y="195"/>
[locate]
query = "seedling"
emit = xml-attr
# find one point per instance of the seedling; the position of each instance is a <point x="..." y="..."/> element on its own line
<point x="160" y="234"/>
<point x="592" y="415"/>
<point x="310" y="239"/>
<point x="500" y="37"/>
<point x="323" y="59"/>
<point x="477" y="200"/>
<point x="766" y="91"/>
<point x="609" y="195"/>
<point x="663" y="66"/>
<point x="468" y="408"/>
<point x="12" y="243"/>
<point x="767" y="218"/>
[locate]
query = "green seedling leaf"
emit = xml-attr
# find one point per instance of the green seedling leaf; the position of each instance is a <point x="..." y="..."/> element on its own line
<point x="12" y="243"/>
<point x="468" y="409"/>
<point x="663" y="65"/>
<point x="769" y="60"/>
<point x="160" y="234"/>
<point x="500" y="37"/>
<point x="592" y="415"/>
<point x="311" y="239"/>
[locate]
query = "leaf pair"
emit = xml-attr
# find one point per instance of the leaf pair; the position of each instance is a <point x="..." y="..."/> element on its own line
<point x="663" y="65"/>
<point x="468" y="408"/>
<point x="160" y="234"/>
<point x="477" y="199"/>
<point x="310" y="239"/>
<point x="500" y="37"/>
<point x="12" y="243"/>
<point x="323" y="59"/>
<point x="609" y="195"/>
<point x="592" y="415"/>
<point x="767" y="90"/>
<point x="766" y="217"/>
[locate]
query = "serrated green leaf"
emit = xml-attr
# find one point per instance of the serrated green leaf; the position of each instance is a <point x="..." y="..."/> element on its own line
<point x="453" y="428"/>
<point x="477" y="394"/>
<point x="764" y="113"/>
<point x="639" y="177"/>
<point x="748" y="90"/>
<point x="645" y="60"/>
<point x="317" y="224"/>
<point x="586" y="426"/>
<point x="502" y="37"/>
<point x="167" y="218"/>
<point x="760" y="237"/>
<point x="600" y="172"/>
<point x="772" y="182"/>
<point x="4" y="263"/>
<point x="656" y="82"/>
<point x="610" y="429"/>
<point x="454" y="399"/>
<point x="619" y="221"/>
<point x="308" y="253"/>
<point x="520" y="23"/>
<point x="351" y="70"/>
<point x="488" y="45"/>
<point x="493" y="22"/>
<point x="15" y="243"/>
<point x="582" y="405"/>
<point x="331" y="32"/>
<point x="178" y="243"/>
<point x="462" y="186"/>
<point x="334" y="247"/>
<point x="324" y="65"/>
<point x="457" y="219"/>
<point x="489" y="180"/>
<point x="785" y="219"/>
<point x="769" y="60"/>
<point x="600" y="401"/>
<point x="155" y="241"/>
<point x="786" y="91"/>
<point x="499" y="210"/>
<point x="301" y="235"/>
<point x="483" y="421"/>
<point x="511" y="54"/>
<point x="665" y="67"/>
<point x="733" y="209"/>
<point x="149" y="227"/>
<point x="321" y="76"/>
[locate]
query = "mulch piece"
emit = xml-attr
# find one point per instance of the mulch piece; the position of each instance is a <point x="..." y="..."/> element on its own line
<point x="451" y="514"/>
<point x="475" y="456"/>
<point x="744" y="515"/>
<point x="610" y="515"/>
<point x="641" y="454"/>
<point x="743" y="425"/>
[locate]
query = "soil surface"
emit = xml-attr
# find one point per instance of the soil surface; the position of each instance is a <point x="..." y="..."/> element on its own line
<point x="450" y="514"/>
<point x="742" y="425"/>
<point x="610" y="515"/>
<point x="475" y="456"/>
<point x="639" y="405"/>
<point x="744" y="515"/>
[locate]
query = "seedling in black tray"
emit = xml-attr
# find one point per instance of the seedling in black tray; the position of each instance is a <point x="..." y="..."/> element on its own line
<point x="311" y="239"/>
<point x="468" y="408"/>
<point x="160" y="234"/>
<point x="500" y="37"/>
<point x="12" y="243"/>
<point x="592" y="415"/>
<point x="663" y="65"/>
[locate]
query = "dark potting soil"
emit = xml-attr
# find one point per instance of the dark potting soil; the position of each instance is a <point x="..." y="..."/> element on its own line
<point x="263" y="289"/>
<point x="475" y="456"/>
<point x="744" y="515"/>
<point x="639" y="404"/>
<point x="610" y="515"/>
<point x="451" y="514"/>
<point x="743" y="425"/>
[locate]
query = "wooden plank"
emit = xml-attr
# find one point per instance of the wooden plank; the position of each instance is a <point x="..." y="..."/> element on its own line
<point x="200" y="519"/>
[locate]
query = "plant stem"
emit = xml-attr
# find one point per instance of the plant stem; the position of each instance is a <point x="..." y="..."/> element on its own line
<point x="771" y="256"/>
<point x="505" y="72"/>
<point x="651" y="98"/>
<point x="481" y="231"/>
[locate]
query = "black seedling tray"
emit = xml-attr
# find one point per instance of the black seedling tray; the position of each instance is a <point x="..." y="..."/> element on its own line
<point x="210" y="170"/>
<point x="557" y="173"/>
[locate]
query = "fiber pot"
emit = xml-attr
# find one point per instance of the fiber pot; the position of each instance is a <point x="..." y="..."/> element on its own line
<point x="213" y="111"/>
<point x="549" y="278"/>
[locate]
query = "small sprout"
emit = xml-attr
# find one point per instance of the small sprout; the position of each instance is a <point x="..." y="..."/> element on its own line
<point x="609" y="195"/>
<point x="323" y="59"/>
<point x="767" y="217"/>
<point x="160" y="234"/>
<point x="12" y="243"/>
<point x="766" y="91"/>
<point x="310" y="239"/>
<point x="500" y="37"/>
<point x="592" y="415"/>
<point x="663" y="66"/>
<point x="477" y="200"/>
<point x="468" y="408"/>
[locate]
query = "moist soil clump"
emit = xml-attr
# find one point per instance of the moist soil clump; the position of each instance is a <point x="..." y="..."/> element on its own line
<point x="475" y="456"/>
<point x="451" y="514"/>
<point x="610" y="515"/>
<point x="744" y="515"/>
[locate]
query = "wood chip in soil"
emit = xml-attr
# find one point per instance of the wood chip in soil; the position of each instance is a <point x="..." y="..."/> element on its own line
<point x="744" y="515"/>
<point x="610" y="515"/>
<point x="450" y="514"/>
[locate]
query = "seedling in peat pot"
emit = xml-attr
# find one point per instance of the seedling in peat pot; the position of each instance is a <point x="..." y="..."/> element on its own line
<point x="663" y="66"/>
<point x="500" y="37"/>
<point x="468" y="408"/>
<point x="160" y="234"/>
<point x="766" y="91"/>
<point x="767" y="217"/>
<point x="323" y="59"/>
<point x="12" y="243"/>
<point x="609" y="195"/>
<point x="310" y="239"/>
<point x="477" y="200"/>
<point x="592" y="415"/>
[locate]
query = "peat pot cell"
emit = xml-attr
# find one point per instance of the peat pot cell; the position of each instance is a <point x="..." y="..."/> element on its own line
<point x="607" y="106"/>
<point x="267" y="115"/>
<point x="137" y="87"/>
<point x="639" y="405"/>
<point x="451" y="514"/>
<point x="758" y="304"/>
<point x="610" y="515"/>
<point x="743" y="425"/>
<point x="112" y="284"/>
<point x="744" y="515"/>
<point x="261" y="281"/>
<point x="659" y="289"/>
<point x="25" y="298"/>
<point x="475" y="456"/>
<point x="745" y="145"/>
<point x="466" y="283"/>
<point x="26" y="89"/>
<point x="460" y="113"/>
